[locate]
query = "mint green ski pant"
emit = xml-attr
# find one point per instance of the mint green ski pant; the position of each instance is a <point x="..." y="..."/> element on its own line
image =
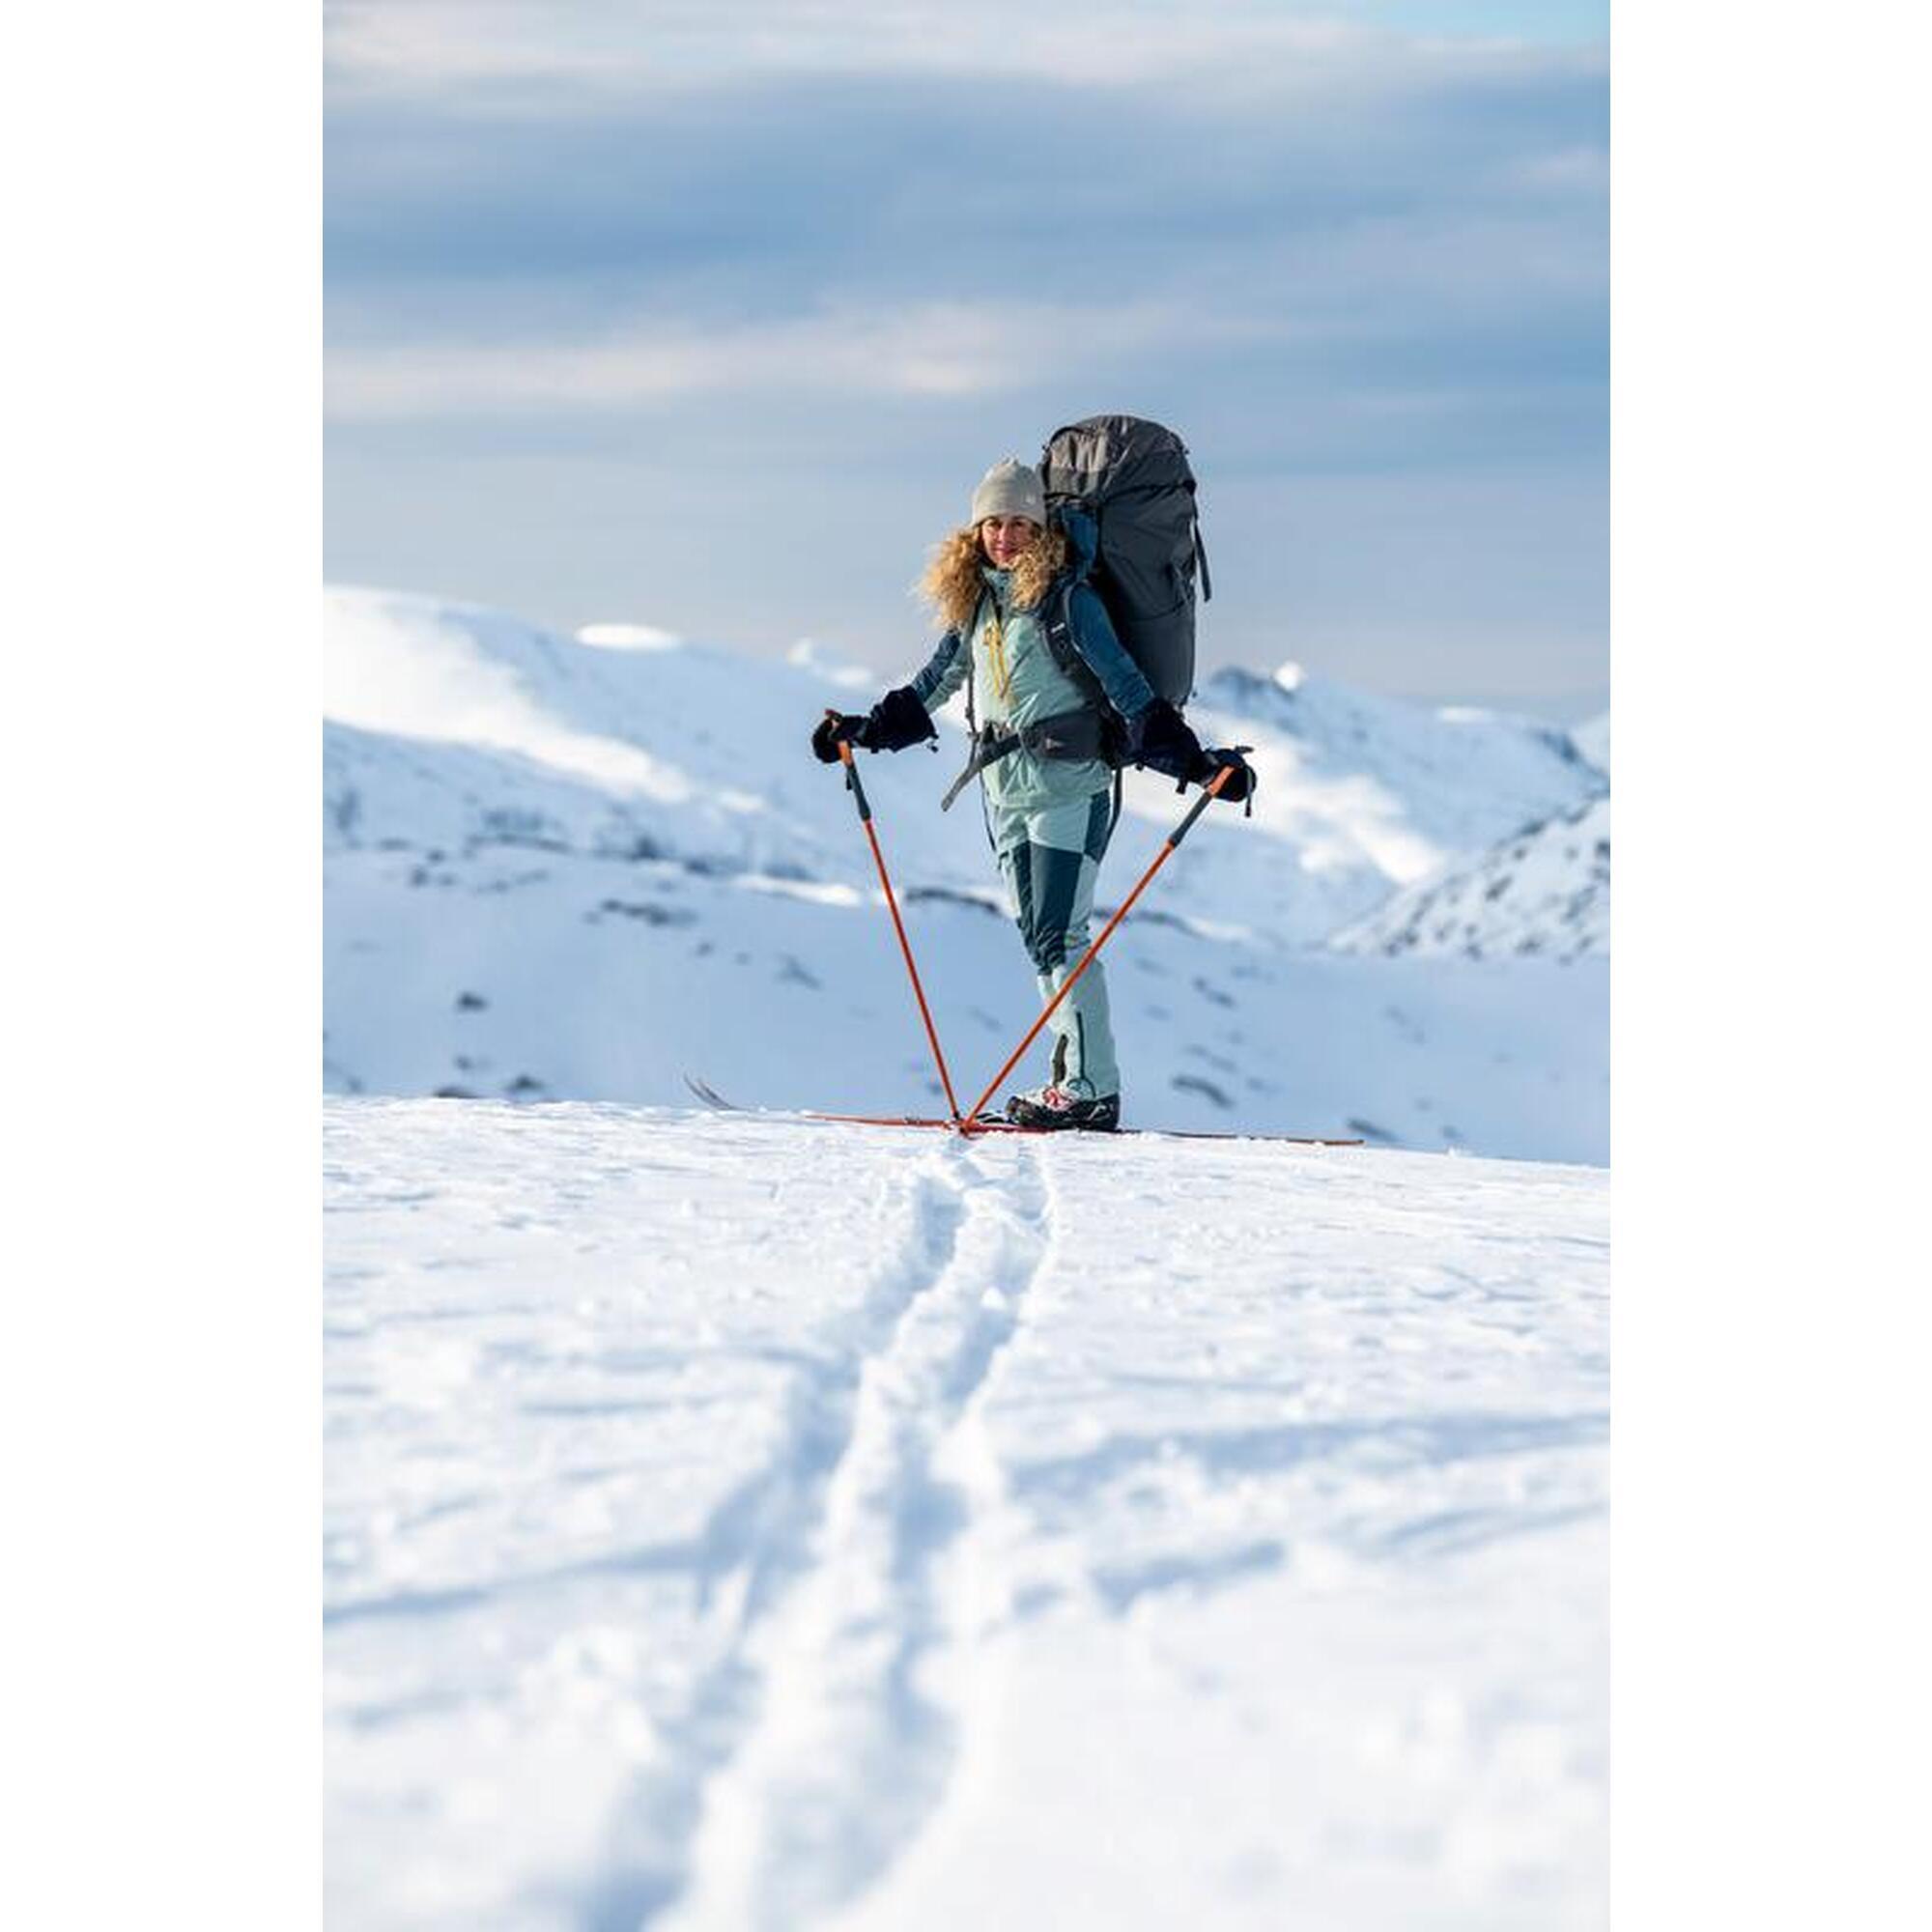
<point x="1050" y="860"/>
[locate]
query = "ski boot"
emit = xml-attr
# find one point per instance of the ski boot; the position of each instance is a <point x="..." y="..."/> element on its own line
<point x="1070" y="1104"/>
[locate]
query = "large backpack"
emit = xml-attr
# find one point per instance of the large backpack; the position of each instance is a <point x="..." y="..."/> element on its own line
<point x="1132" y="477"/>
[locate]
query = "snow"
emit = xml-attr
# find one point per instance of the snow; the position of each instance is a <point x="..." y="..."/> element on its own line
<point x="1593" y="740"/>
<point x="737" y="1521"/>
<point x="618" y="637"/>
<point x="1545" y="890"/>
<point x="1376" y="779"/>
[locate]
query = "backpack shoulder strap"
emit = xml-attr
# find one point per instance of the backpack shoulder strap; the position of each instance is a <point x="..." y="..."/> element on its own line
<point x="1057" y="619"/>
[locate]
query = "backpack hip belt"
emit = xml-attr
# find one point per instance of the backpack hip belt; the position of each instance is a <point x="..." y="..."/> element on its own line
<point x="1071" y="735"/>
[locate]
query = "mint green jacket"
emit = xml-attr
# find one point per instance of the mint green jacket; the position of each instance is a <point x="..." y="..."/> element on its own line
<point x="1021" y="683"/>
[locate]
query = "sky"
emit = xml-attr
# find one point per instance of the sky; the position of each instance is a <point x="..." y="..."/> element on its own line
<point x="708" y="314"/>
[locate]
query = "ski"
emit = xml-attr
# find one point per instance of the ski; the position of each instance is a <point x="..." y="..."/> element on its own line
<point x="986" y="1124"/>
<point x="989" y="1124"/>
<point x="1230" y="1134"/>
<point x="710" y="1096"/>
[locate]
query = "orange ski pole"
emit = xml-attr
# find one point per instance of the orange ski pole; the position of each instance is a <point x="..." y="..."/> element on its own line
<point x="858" y="792"/>
<point x="1160" y="859"/>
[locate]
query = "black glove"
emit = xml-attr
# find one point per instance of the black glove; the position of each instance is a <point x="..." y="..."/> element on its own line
<point x="1163" y="742"/>
<point x="1241" y="780"/>
<point x="897" y="721"/>
<point x="835" y="728"/>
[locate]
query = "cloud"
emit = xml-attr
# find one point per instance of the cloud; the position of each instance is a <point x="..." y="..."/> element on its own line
<point x="421" y="45"/>
<point x="931" y="349"/>
<point x="798" y="268"/>
<point x="763" y="200"/>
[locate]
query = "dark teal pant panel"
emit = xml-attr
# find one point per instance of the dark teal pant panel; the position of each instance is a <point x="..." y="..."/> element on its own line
<point x="1051" y="861"/>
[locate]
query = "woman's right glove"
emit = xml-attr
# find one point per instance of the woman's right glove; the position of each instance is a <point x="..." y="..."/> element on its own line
<point x="835" y="728"/>
<point x="897" y="721"/>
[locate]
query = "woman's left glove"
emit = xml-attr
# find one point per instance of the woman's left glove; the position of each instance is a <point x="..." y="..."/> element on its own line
<point x="1239" y="786"/>
<point x="1164" y="741"/>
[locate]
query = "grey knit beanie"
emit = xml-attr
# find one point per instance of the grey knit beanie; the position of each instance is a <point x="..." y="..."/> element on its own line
<point x="1009" y="488"/>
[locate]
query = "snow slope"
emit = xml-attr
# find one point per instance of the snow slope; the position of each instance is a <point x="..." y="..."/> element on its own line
<point x="738" y="1522"/>
<point x="1546" y="891"/>
<point x="1404" y="785"/>
<point x="558" y="868"/>
<point x="1593" y="740"/>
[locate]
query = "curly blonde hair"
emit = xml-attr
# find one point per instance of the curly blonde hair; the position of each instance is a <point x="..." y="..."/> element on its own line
<point x="953" y="582"/>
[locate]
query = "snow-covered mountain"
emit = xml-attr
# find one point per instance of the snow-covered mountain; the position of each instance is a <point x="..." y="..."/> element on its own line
<point x="1407" y="784"/>
<point x="580" y="867"/>
<point x="1545" y="892"/>
<point x="1593" y="740"/>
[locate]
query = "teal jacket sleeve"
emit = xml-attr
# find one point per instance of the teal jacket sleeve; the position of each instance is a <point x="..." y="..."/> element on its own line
<point x="1092" y="630"/>
<point x="943" y="674"/>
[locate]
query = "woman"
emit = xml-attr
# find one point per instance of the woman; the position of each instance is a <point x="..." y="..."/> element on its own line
<point x="1049" y="731"/>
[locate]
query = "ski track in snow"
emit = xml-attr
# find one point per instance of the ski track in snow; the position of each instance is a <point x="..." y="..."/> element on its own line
<point x="735" y="1522"/>
<point x="809" y="1732"/>
<point x="846" y="1755"/>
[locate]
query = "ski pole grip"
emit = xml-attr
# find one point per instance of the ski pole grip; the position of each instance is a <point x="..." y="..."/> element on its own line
<point x="1209" y="793"/>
